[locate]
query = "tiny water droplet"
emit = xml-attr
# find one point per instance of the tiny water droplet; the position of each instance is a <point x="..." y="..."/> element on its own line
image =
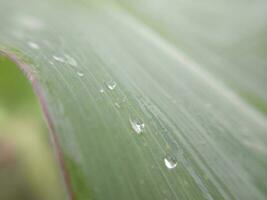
<point x="80" y="74"/>
<point x="117" y="104"/>
<point x="137" y="125"/>
<point x="170" y="162"/>
<point x="111" y="85"/>
<point x="70" y="60"/>
<point x="101" y="90"/>
<point x="121" y="102"/>
<point x="33" y="45"/>
<point x="59" y="59"/>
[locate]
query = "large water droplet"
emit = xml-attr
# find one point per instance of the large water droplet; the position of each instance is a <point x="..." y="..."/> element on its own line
<point x="33" y="45"/>
<point x="170" y="162"/>
<point x="137" y="125"/>
<point x="111" y="84"/>
<point x="80" y="74"/>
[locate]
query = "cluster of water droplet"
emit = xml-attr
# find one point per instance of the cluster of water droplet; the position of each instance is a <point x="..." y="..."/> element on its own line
<point x="137" y="125"/>
<point x="62" y="59"/>
<point x="66" y="59"/>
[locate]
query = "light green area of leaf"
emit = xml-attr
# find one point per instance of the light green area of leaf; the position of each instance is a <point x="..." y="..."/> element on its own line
<point x="189" y="77"/>
<point x="226" y="38"/>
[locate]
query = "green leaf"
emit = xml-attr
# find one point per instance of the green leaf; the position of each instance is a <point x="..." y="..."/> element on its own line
<point x="148" y="99"/>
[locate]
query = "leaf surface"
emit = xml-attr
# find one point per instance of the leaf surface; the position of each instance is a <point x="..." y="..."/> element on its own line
<point x="139" y="99"/>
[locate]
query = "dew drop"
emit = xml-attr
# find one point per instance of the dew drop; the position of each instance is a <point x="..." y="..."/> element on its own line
<point x="66" y="59"/>
<point x="59" y="59"/>
<point x="170" y="162"/>
<point x="80" y="74"/>
<point x="111" y="85"/>
<point x="117" y="104"/>
<point x="101" y="90"/>
<point x="33" y="45"/>
<point x="70" y="60"/>
<point x="137" y="125"/>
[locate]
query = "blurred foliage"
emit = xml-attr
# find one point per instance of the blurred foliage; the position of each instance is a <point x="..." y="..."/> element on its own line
<point x="27" y="167"/>
<point x="15" y="91"/>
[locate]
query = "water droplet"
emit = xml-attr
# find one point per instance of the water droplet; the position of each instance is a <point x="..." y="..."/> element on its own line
<point x="66" y="59"/>
<point x="80" y="74"/>
<point x="59" y="59"/>
<point x="117" y="104"/>
<point x="111" y="85"/>
<point x="70" y="60"/>
<point x="33" y="45"/>
<point x="101" y="90"/>
<point x="137" y="125"/>
<point x="170" y="162"/>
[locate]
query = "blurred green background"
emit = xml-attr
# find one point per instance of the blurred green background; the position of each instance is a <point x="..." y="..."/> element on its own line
<point x="28" y="168"/>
